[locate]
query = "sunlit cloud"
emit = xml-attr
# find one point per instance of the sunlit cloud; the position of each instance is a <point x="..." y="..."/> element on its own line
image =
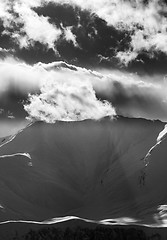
<point x="60" y="91"/>
<point x="67" y="99"/>
<point x="35" y="28"/>
<point x="129" y="94"/>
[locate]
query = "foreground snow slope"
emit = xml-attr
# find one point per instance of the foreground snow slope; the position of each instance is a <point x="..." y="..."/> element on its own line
<point x="90" y="169"/>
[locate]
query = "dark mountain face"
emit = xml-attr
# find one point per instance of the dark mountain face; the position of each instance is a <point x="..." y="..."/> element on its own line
<point x="88" y="169"/>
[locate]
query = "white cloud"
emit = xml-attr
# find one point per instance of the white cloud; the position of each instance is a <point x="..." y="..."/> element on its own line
<point x="126" y="57"/>
<point x="69" y="36"/>
<point x="67" y="94"/>
<point x="18" y="77"/>
<point x="67" y="99"/>
<point x="4" y="50"/>
<point x="147" y="23"/>
<point x="5" y="14"/>
<point x="63" y="93"/>
<point x="152" y="37"/>
<point x="33" y="27"/>
<point x="3" y="9"/>
<point x="71" y="93"/>
<point x="113" y="11"/>
<point x="37" y="28"/>
<point x="130" y="94"/>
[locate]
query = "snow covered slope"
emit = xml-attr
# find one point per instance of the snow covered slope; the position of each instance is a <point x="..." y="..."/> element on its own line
<point x="91" y="169"/>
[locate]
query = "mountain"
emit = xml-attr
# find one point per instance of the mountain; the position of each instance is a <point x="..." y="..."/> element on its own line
<point x="111" y="169"/>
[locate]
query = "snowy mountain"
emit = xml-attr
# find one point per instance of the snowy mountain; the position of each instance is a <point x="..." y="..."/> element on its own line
<point x="98" y="170"/>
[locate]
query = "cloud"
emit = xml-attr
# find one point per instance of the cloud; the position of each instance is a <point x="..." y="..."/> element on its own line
<point x="66" y="95"/>
<point x="35" y="28"/>
<point x="97" y="32"/>
<point x="85" y="37"/>
<point x="16" y="81"/>
<point x="69" y="36"/>
<point x="61" y="91"/>
<point x="3" y="11"/>
<point x="129" y="94"/>
<point x="67" y="100"/>
<point x="133" y="97"/>
<point x="145" y="22"/>
<point x="62" y="95"/>
<point x="18" y="77"/>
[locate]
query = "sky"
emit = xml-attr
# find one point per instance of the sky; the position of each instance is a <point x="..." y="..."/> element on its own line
<point x="72" y="60"/>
